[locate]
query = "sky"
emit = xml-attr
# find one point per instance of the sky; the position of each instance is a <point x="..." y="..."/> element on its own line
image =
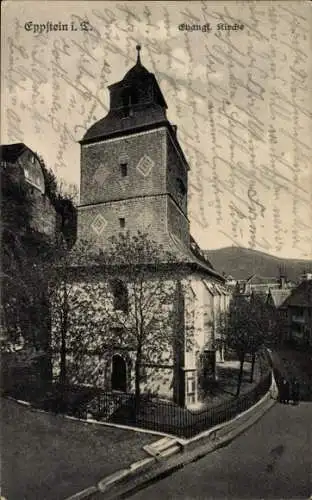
<point x="241" y="98"/>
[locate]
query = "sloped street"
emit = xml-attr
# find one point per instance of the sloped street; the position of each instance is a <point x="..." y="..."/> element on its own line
<point x="270" y="460"/>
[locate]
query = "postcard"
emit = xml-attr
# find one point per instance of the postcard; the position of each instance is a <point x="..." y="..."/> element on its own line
<point x="189" y="123"/>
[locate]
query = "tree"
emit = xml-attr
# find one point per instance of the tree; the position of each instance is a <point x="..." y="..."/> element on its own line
<point x="24" y="310"/>
<point x="62" y="292"/>
<point x="140" y="301"/>
<point x="16" y="215"/>
<point x="63" y="197"/>
<point x="244" y="328"/>
<point x="259" y="329"/>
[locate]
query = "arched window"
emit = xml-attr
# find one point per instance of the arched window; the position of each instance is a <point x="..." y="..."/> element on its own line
<point x="120" y="293"/>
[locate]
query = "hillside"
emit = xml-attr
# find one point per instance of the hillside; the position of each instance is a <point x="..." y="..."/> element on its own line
<point x="242" y="262"/>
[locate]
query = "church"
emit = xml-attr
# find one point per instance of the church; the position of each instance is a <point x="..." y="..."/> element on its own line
<point x="134" y="177"/>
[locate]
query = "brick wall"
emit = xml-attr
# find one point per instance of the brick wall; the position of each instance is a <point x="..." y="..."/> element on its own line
<point x="178" y="223"/>
<point x="176" y="173"/>
<point x="100" y="222"/>
<point x="101" y="178"/>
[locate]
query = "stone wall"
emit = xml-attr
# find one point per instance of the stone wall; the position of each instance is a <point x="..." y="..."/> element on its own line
<point x="171" y="352"/>
<point x="101" y="178"/>
<point x="100" y="222"/>
<point x="43" y="214"/>
<point x="177" y="179"/>
<point x="93" y="339"/>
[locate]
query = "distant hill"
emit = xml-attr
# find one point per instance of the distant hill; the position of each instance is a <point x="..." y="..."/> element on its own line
<point x="241" y="262"/>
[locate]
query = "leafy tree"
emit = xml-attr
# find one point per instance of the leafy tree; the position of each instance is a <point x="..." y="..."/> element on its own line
<point x="24" y="309"/>
<point x="142" y="300"/>
<point x="62" y="291"/>
<point x="259" y="329"/>
<point x="244" y="328"/>
<point x="278" y="326"/>
<point x="26" y="253"/>
<point x="16" y="214"/>
<point x="63" y="197"/>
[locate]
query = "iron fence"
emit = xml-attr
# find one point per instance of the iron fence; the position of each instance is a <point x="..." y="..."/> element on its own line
<point x="167" y="417"/>
<point x="152" y="413"/>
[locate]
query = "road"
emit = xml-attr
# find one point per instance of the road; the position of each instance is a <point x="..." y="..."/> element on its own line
<point x="270" y="460"/>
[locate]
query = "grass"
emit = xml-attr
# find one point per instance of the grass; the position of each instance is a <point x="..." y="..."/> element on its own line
<point x="222" y="405"/>
<point x="48" y="457"/>
<point x="224" y="389"/>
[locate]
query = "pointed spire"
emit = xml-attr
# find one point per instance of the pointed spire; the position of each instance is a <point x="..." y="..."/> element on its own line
<point x="138" y="47"/>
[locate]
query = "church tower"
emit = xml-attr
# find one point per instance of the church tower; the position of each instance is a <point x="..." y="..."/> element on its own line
<point x="133" y="171"/>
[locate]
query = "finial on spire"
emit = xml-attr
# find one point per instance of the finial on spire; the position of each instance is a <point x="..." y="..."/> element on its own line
<point x="138" y="47"/>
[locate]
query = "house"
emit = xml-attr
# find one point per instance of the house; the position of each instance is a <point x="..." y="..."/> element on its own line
<point x="134" y="177"/>
<point x="220" y="298"/>
<point x="19" y="161"/>
<point x="276" y="302"/>
<point x="261" y="286"/>
<point x="299" y="309"/>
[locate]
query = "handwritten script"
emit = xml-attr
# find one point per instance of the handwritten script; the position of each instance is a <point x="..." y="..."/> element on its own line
<point x="241" y="99"/>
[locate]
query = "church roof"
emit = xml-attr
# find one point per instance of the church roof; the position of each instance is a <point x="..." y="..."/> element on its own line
<point x="184" y="255"/>
<point x="139" y="76"/>
<point x="137" y="72"/>
<point x="181" y="258"/>
<point x="115" y="123"/>
<point x="200" y="254"/>
<point x="139" y="93"/>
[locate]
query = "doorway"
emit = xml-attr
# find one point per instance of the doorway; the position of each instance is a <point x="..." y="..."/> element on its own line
<point x="119" y="373"/>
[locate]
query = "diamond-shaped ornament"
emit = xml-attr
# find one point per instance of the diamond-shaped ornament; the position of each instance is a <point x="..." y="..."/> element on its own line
<point x="99" y="224"/>
<point x="145" y="165"/>
<point x="101" y="175"/>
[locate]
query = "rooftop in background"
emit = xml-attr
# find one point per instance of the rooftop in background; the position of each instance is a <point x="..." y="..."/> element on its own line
<point x="301" y="296"/>
<point x="277" y="297"/>
<point x="257" y="280"/>
<point x="306" y="277"/>
<point x="242" y="262"/>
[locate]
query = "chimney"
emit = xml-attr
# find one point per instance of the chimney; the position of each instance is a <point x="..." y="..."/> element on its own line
<point x="282" y="277"/>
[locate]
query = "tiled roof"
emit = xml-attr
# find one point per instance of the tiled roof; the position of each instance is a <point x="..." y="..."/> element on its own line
<point x="301" y="296"/>
<point x="261" y="280"/>
<point x="11" y="152"/>
<point x="198" y="252"/>
<point x="185" y="255"/>
<point x="279" y="296"/>
<point x="214" y="289"/>
<point x="180" y="255"/>
<point x="138" y="82"/>
<point x="115" y="122"/>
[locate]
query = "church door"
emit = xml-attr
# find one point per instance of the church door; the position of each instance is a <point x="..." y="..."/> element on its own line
<point x="119" y="374"/>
